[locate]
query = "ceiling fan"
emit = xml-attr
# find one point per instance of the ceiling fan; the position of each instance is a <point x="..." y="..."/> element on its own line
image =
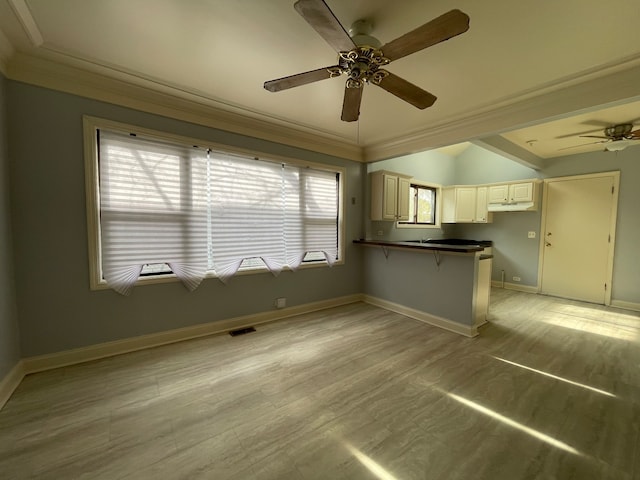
<point x="616" y="137"/>
<point x="361" y="56"/>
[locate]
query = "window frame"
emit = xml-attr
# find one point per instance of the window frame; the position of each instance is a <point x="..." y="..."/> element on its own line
<point x="91" y="125"/>
<point x="438" y="199"/>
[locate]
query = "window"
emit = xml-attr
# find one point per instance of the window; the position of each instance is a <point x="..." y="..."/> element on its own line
<point x="159" y="206"/>
<point x="422" y="206"/>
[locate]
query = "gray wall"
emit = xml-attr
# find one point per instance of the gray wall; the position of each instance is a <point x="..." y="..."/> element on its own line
<point x="9" y="337"/>
<point x="413" y="279"/>
<point x="57" y="309"/>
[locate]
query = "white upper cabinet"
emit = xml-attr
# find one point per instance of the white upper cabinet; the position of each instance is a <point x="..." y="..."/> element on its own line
<point x="466" y="204"/>
<point x="518" y="196"/>
<point x="389" y="196"/>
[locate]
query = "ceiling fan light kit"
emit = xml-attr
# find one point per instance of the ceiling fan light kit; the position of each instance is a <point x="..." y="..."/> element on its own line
<point x="617" y="146"/>
<point x="360" y="56"/>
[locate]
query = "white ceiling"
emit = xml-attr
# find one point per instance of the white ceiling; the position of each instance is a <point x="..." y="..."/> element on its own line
<point x="519" y="67"/>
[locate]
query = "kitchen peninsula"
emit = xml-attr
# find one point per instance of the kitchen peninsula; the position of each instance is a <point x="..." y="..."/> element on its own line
<point x="444" y="284"/>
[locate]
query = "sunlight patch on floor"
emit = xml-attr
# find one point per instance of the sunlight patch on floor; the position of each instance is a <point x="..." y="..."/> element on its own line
<point x="577" y="384"/>
<point x="372" y="465"/>
<point x="599" y="312"/>
<point x="592" y="326"/>
<point x="512" y="423"/>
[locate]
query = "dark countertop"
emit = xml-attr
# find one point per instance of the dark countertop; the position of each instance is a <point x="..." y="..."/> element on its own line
<point x="442" y="247"/>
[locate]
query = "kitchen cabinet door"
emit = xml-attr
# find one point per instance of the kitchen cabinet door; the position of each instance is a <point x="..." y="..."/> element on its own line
<point x="389" y="196"/>
<point x="458" y="204"/>
<point x="521" y="192"/>
<point x="498" y="193"/>
<point x="482" y="214"/>
<point x="404" y="185"/>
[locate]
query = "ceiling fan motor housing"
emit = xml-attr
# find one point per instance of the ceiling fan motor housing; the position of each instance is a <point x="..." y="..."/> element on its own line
<point x="362" y="65"/>
<point x="618" y="131"/>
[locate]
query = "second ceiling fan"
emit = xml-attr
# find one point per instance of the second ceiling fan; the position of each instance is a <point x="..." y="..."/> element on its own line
<point x="361" y="61"/>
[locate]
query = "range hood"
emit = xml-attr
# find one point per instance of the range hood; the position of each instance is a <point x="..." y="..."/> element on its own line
<point x="512" y="207"/>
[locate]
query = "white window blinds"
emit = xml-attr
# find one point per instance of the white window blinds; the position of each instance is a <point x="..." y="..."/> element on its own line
<point x="199" y="211"/>
<point x="246" y="214"/>
<point x="311" y="214"/>
<point x="152" y="209"/>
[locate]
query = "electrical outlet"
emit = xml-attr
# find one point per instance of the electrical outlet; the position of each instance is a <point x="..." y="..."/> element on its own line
<point x="516" y="279"/>
<point x="281" y="302"/>
<point x="531" y="235"/>
<point x="380" y="233"/>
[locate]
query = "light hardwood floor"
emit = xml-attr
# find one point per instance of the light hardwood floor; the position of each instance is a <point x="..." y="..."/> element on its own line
<point x="549" y="390"/>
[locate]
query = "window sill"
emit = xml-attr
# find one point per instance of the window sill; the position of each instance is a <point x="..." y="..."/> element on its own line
<point x="418" y="226"/>
<point x="171" y="277"/>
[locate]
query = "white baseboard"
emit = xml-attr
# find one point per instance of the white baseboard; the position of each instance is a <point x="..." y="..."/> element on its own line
<point x="10" y="382"/>
<point x="466" y="330"/>
<point x="108" y="349"/>
<point x="625" y="305"/>
<point x="514" y="286"/>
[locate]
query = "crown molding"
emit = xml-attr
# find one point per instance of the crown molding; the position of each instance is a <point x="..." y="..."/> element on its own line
<point x="593" y="88"/>
<point x="152" y="97"/>
<point x="608" y="84"/>
<point x="29" y="25"/>
<point x="6" y="52"/>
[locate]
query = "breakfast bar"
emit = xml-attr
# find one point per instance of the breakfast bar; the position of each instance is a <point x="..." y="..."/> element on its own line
<point x="444" y="284"/>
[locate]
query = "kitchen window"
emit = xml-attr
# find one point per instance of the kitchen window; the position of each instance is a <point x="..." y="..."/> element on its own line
<point x="160" y="207"/>
<point x="423" y="211"/>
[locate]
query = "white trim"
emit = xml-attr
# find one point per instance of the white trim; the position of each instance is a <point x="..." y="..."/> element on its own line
<point x="29" y="25"/>
<point x="6" y="52"/>
<point x="515" y="286"/>
<point x="602" y="85"/>
<point x="444" y="323"/>
<point x="149" y="96"/>
<point x="93" y="352"/>
<point x="626" y="305"/>
<point x="10" y="382"/>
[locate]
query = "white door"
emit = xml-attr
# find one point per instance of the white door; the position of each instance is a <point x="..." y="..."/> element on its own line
<point x="579" y="222"/>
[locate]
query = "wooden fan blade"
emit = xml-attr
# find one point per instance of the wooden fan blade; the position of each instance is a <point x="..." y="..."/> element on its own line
<point x="576" y="134"/>
<point x="351" y="104"/>
<point x="322" y="20"/>
<point x="298" y="79"/>
<point x="635" y="135"/>
<point x="583" y="145"/>
<point x="407" y="91"/>
<point x="437" y="30"/>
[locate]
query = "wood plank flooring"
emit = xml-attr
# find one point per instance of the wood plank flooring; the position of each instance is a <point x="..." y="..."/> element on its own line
<point x="550" y="390"/>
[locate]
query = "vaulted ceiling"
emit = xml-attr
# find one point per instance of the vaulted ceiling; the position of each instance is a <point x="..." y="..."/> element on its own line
<point x="526" y="77"/>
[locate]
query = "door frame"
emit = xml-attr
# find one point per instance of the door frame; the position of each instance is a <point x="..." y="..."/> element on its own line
<point x="612" y="227"/>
